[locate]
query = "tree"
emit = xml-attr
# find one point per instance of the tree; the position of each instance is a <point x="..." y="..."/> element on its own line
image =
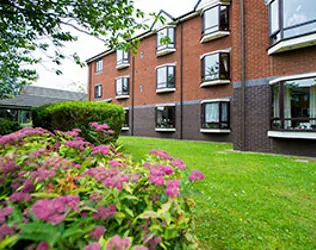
<point x="30" y="25"/>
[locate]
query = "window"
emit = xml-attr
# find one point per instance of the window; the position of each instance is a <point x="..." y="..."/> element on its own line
<point x="166" y="77"/>
<point x="122" y="58"/>
<point x="291" y="18"/>
<point x="122" y="86"/>
<point x="215" y="19"/>
<point x="294" y="105"/>
<point x="126" y="121"/>
<point x="215" y="67"/>
<point x="98" y="91"/>
<point x="99" y="66"/>
<point x="166" y="39"/>
<point x="215" y="115"/>
<point x="166" y="117"/>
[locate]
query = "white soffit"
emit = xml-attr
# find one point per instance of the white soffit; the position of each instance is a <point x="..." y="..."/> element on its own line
<point x="204" y="4"/>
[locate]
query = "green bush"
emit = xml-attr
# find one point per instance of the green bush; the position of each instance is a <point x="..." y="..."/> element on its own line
<point x="7" y="126"/>
<point x="78" y="114"/>
<point x="60" y="192"/>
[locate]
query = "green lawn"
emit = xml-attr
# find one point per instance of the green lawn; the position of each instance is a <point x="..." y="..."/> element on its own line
<point x="248" y="201"/>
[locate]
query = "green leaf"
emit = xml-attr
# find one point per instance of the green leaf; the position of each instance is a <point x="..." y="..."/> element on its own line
<point x="9" y="241"/>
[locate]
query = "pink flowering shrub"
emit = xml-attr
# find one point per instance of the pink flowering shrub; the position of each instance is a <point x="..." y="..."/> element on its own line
<point x="59" y="191"/>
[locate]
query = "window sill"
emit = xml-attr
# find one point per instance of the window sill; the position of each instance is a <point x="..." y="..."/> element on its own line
<point x="215" y="82"/>
<point x="292" y="135"/>
<point x="293" y="43"/>
<point x="119" y="97"/>
<point x="213" y="36"/>
<point x="215" y="131"/>
<point x="165" y="90"/>
<point x="125" y="129"/>
<point x="164" y="52"/>
<point x="98" y="73"/>
<point x="122" y="66"/>
<point x="165" y="129"/>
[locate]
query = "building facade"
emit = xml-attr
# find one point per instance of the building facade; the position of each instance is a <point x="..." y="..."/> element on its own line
<point x="240" y="71"/>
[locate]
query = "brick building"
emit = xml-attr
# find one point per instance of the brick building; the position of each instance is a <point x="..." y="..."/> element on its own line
<point x="241" y="71"/>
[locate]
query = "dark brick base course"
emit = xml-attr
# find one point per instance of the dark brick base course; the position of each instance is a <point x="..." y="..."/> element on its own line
<point x="144" y="125"/>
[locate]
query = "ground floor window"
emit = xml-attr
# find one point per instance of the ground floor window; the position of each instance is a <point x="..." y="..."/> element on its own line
<point x="294" y="105"/>
<point x="17" y="115"/>
<point x="126" y="121"/>
<point x="215" y="115"/>
<point x="98" y="91"/>
<point x="166" y="117"/>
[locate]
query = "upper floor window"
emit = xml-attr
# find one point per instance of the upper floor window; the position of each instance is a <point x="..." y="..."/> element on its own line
<point x="98" y="91"/>
<point x="215" y="115"/>
<point x="122" y="87"/>
<point x="165" y="41"/>
<point x="122" y="59"/>
<point x="166" y="117"/>
<point x="99" y="66"/>
<point x="215" y="23"/>
<point x="294" y="105"/>
<point x="215" y="68"/>
<point x="291" y="18"/>
<point x="166" y="78"/>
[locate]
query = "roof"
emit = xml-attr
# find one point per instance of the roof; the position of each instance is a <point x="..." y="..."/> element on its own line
<point x="36" y="96"/>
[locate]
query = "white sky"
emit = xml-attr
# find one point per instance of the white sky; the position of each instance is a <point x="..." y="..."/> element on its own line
<point x="87" y="47"/>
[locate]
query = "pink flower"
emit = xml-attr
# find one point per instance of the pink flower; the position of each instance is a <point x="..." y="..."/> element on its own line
<point x="167" y="170"/>
<point x="103" y="149"/>
<point x="5" y="212"/>
<point x="93" y="246"/>
<point x="172" y="189"/>
<point x="97" y="232"/>
<point x="196" y="175"/>
<point x="43" y="246"/>
<point x="115" y="164"/>
<point x="5" y="230"/>
<point x="118" y="243"/>
<point x="105" y="212"/>
<point x="161" y="154"/>
<point x="178" y="163"/>
<point x="156" y="177"/>
<point x="140" y="248"/>
<point x="16" y="197"/>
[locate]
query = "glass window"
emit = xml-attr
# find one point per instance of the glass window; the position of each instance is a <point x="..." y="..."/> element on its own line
<point x="98" y="91"/>
<point x="166" y="77"/>
<point x="294" y="105"/>
<point x="298" y="17"/>
<point x="99" y="66"/>
<point x="215" y="115"/>
<point x="215" y="19"/>
<point x="122" y="57"/>
<point x="215" y="67"/>
<point x="166" y="39"/>
<point x="166" y="117"/>
<point x="122" y="86"/>
<point x="126" y="121"/>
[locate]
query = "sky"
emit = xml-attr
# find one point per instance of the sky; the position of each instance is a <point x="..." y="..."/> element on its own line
<point x="87" y="46"/>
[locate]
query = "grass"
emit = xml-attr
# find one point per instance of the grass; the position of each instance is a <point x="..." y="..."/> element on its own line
<point x="248" y="200"/>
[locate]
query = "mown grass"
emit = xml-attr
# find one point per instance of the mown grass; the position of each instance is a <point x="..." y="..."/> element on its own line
<point x="248" y="200"/>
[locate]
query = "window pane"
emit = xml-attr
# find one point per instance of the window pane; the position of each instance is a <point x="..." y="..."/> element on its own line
<point x="171" y="117"/>
<point x="274" y="17"/>
<point x="300" y="104"/>
<point x="125" y="86"/>
<point x="212" y="112"/>
<point x="171" y="35"/>
<point x="119" y="56"/>
<point x="161" y="36"/>
<point x="224" y="74"/>
<point x="224" y="21"/>
<point x="162" y="77"/>
<point x="165" y="117"/>
<point x="224" y="112"/>
<point x="211" y="20"/>
<point x="119" y="88"/>
<point x="298" y="12"/>
<point x="211" y="68"/>
<point x="126" y="121"/>
<point x="170" y="76"/>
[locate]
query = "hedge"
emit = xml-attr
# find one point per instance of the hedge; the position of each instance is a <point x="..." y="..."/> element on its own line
<point x="7" y="126"/>
<point x="78" y="114"/>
